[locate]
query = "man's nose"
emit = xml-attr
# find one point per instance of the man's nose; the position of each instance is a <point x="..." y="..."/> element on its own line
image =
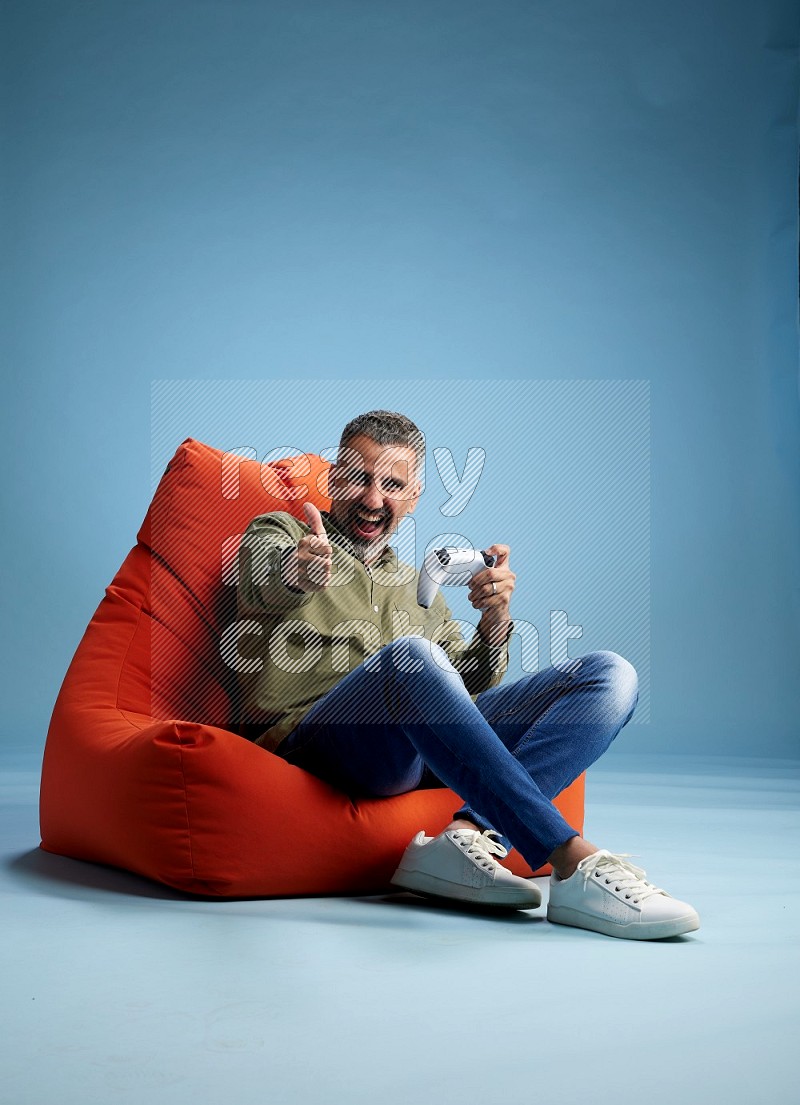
<point x="372" y="498"/>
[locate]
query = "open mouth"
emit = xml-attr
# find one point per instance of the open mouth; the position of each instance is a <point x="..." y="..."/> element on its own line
<point x="368" y="525"/>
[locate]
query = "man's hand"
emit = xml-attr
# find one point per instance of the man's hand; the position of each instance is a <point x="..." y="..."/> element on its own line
<point x="308" y="567"/>
<point x="494" y="601"/>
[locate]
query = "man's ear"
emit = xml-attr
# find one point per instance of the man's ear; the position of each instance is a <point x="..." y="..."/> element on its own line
<point x="415" y="498"/>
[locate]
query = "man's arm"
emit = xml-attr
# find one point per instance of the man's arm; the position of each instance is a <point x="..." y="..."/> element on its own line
<point x="480" y="663"/>
<point x="483" y="662"/>
<point x="265" y="581"/>
<point x="281" y="561"/>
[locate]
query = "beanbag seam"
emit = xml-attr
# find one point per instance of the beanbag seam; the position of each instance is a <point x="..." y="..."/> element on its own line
<point x="124" y="663"/>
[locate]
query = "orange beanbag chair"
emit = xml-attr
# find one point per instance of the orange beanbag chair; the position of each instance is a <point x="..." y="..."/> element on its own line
<point x="145" y="767"/>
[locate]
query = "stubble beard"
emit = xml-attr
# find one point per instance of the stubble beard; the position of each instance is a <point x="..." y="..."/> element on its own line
<point x="369" y="551"/>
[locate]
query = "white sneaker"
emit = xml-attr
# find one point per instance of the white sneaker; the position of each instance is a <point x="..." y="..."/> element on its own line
<point x="610" y="895"/>
<point x="459" y="864"/>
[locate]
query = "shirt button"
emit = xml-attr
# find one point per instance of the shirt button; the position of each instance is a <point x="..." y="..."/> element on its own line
<point x="375" y="608"/>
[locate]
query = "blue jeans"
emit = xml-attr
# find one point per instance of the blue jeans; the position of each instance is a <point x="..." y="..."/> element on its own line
<point x="508" y="754"/>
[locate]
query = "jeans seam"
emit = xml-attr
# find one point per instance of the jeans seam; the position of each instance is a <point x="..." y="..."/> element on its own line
<point x="518" y="709"/>
<point x="502" y="802"/>
<point x="455" y="752"/>
<point x="528" y="736"/>
<point x="298" y="747"/>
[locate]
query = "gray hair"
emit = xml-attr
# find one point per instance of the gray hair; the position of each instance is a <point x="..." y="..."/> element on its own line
<point x="387" y="428"/>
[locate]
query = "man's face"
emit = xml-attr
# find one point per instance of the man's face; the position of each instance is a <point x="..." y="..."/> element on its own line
<point x="372" y="488"/>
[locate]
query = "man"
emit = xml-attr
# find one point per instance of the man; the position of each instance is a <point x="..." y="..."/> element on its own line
<point x="371" y="692"/>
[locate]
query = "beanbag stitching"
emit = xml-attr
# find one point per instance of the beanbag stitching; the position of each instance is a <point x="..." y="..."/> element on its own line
<point x="138" y="725"/>
<point x="124" y="663"/>
<point x="178" y="463"/>
<point x="197" y="604"/>
<point x="141" y="727"/>
<point x="186" y="804"/>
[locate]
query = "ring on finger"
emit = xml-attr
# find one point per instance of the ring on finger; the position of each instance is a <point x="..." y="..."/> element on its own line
<point x="494" y="588"/>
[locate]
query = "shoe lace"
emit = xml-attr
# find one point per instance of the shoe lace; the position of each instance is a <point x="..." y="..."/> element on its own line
<point x="481" y="846"/>
<point x="619" y="873"/>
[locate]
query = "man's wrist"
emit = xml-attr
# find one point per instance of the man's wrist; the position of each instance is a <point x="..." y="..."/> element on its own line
<point x="496" y="633"/>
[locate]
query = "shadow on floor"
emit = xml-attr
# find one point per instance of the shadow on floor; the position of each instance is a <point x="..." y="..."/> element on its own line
<point x="46" y="873"/>
<point x="69" y="877"/>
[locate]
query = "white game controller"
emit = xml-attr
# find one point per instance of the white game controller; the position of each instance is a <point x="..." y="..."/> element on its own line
<point x="450" y="566"/>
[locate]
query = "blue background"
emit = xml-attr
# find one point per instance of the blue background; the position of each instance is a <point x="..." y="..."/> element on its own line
<point x="405" y="192"/>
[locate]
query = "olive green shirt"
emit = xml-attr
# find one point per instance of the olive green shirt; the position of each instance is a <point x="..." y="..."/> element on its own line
<point x="297" y="646"/>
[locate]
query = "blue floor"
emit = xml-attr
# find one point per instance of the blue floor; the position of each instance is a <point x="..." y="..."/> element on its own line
<point x="114" y="989"/>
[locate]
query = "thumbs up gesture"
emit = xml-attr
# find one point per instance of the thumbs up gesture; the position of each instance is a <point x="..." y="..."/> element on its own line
<point x="309" y="567"/>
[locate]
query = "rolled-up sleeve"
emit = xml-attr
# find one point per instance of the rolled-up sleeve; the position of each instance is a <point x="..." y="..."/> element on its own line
<point x="260" y="585"/>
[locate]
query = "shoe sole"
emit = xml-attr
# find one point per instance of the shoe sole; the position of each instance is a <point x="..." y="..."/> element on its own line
<point x="639" y="930"/>
<point x="497" y="897"/>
